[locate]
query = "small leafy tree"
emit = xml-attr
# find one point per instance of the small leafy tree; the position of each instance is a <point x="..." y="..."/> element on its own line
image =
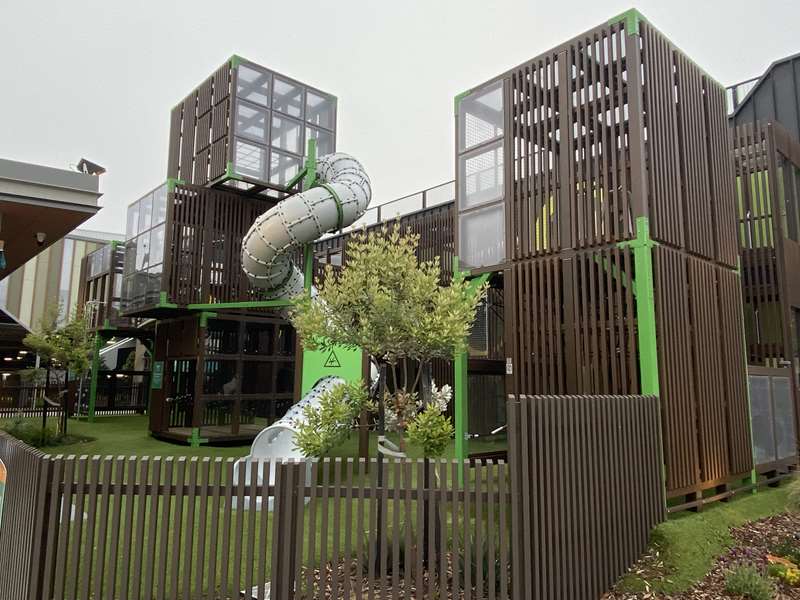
<point x="67" y="347"/>
<point x="328" y="423"/>
<point x="393" y="306"/>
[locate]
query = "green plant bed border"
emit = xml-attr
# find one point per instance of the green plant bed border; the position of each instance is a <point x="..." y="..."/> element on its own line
<point x="689" y="543"/>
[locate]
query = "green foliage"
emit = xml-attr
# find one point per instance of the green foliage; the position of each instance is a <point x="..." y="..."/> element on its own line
<point x="387" y="303"/>
<point x="33" y="375"/>
<point x="430" y="430"/>
<point x="748" y="582"/>
<point x="688" y="543"/>
<point x="31" y="432"/>
<point x="68" y="346"/>
<point x="793" y="500"/>
<point x="328" y="423"/>
<point x="788" y="548"/>
<point x="130" y="362"/>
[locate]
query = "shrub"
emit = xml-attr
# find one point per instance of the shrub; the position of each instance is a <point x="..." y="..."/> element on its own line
<point x="327" y="424"/>
<point x="748" y="582"/>
<point x="431" y="431"/>
<point x="788" y="548"/>
<point x="32" y="434"/>
<point x="787" y="574"/>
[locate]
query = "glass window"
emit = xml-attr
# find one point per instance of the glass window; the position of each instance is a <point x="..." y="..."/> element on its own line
<point x="66" y="271"/>
<point x="143" y="251"/>
<point x="482" y="236"/>
<point x="320" y="110"/>
<point x="287" y="134"/>
<point x="157" y="244"/>
<point x="129" y="265"/>
<point x="160" y="205"/>
<point x="253" y="85"/>
<point x="250" y="160"/>
<point x="481" y="116"/>
<point x="153" y="284"/>
<point x="132" y="225"/>
<point x="481" y="176"/>
<point x="145" y="212"/>
<point x="324" y="140"/>
<point x="251" y="122"/>
<point x="285" y="345"/>
<point x="287" y="98"/>
<point x="282" y="168"/>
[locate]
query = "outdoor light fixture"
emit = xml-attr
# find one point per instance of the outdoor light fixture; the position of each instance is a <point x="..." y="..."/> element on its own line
<point x="40" y="238"/>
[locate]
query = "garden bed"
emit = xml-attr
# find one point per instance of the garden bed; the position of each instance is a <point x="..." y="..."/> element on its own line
<point x="749" y="544"/>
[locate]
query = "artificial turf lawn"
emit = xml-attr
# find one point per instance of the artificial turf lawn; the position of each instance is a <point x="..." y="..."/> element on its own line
<point x="688" y="543"/>
<point x="129" y="435"/>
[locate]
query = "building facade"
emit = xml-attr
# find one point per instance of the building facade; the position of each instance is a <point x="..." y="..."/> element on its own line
<point x="51" y="278"/>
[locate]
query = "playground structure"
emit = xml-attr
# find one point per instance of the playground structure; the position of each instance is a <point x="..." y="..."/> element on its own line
<point x="602" y="213"/>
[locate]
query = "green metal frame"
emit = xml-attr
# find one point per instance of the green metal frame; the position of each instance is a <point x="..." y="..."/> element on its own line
<point x="461" y="367"/>
<point x="642" y="246"/>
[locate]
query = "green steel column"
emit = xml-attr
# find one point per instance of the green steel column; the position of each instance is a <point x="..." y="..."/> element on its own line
<point x="642" y="248"/>
<point x="461" y="379"/>
<point x="460" y="392"/>
<point x="98" y="344"/>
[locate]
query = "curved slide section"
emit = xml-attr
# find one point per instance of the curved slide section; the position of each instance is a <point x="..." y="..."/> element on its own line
<point x="341" y="195"/>
<point x="276" y="442"/>
<point x="339" y="198"/>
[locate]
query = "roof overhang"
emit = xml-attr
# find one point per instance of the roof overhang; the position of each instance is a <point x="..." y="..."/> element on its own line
<point x="36" y="199"/>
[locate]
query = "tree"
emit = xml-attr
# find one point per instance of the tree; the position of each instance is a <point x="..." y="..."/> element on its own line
<point x="67" y="347"/>
<point x="391" y="305"/>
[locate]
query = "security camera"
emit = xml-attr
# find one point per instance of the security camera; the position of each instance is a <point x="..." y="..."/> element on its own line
<point x="40" y="238"/>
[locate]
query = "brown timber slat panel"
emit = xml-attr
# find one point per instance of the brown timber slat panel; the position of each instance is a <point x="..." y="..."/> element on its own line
<point x="701" y="357"/>
<point x="595" y="522"/>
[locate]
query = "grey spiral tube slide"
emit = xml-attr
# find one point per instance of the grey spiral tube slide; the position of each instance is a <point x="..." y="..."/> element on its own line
<point x="340" y="197"/>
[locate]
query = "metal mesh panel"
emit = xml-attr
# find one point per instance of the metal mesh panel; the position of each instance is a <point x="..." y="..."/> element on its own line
<point x="482" y="237"/>
<point x="479" y="334"/>
<point x="481" y="176"/>
<point x="785" y="435"/>
<point x="481" y="116"/>
<point x="761" y="411"/>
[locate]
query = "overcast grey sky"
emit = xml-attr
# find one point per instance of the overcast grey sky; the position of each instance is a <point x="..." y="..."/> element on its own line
<point x="97" y="79"/>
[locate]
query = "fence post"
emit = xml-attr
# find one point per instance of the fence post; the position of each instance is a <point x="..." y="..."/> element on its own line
<point x="42" y="533"/>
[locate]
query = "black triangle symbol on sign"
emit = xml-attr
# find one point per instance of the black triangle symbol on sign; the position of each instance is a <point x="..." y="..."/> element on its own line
<point x="333" y="360"/>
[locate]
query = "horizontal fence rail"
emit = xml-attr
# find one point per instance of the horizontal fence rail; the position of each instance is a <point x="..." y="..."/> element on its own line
<point x="586" y="489"/>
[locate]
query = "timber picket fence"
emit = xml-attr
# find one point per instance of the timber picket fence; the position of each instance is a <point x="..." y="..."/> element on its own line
<point x="566" y="516"/>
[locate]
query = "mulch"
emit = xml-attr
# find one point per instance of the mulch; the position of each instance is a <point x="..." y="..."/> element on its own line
<point x="753" y="542"/>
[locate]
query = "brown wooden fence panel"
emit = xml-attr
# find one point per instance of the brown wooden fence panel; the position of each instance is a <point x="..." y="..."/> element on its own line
<point x="194" y="528"/>
<point x="21" y="526"/>
<point x="586" y="489"/>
